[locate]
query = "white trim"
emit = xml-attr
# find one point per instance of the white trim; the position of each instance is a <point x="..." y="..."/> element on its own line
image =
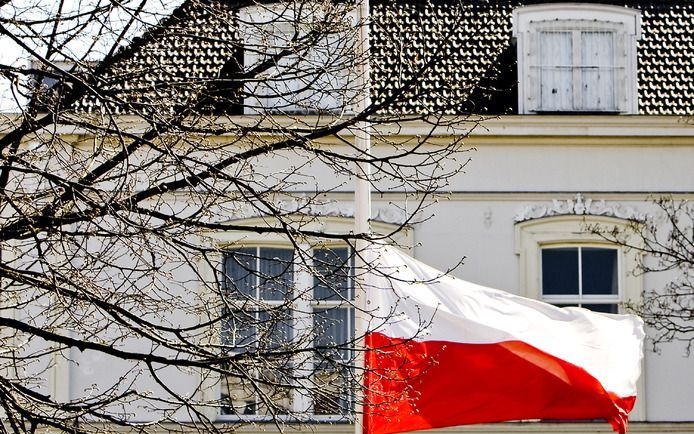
<point x="524" y="16"/>
<point x="504" y="427"/>
<point x="578" y="206"/>
<point x="322" y="224"/>
<point x="530" y="21"/>
<point x="507" y="125"/>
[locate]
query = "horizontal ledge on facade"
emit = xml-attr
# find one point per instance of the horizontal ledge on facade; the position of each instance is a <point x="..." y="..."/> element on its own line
<point x="519" y="195"/>
<point x="566" y="126"/>
<point x="474" y="125"/>
<point x="500" y="428"/>
<point x="506" y="427"/>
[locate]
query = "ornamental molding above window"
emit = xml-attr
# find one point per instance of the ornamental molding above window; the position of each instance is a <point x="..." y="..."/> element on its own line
<point x="578" y="206"/>
<point x="577" y="58"/>
<point x="310" y="207"/>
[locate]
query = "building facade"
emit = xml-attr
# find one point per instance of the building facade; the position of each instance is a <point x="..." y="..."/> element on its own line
<point x="571" y="114"/>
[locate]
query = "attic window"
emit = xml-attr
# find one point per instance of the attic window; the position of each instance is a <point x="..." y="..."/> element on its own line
<point x="300" y="56"/>
<point x="576" y="58"/>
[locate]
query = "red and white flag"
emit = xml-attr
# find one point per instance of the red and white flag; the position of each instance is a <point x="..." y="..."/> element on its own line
<point x="445" y="352"/>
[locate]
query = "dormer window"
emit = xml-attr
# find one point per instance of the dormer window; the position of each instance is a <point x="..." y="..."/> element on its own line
<point x="300" y="56"/>
<point x="576" y="58"/>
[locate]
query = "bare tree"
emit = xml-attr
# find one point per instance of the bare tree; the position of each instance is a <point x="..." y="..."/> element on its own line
<point x="665" y="240"/>
<point x="135" y="181"/>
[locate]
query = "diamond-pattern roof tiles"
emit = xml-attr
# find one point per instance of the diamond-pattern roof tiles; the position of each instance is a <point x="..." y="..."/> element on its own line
<point x="466" y="49"/>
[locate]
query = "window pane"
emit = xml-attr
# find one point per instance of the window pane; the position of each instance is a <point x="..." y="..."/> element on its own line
<point x="254" y="329"/>
<point x="556" y="71"/>
<point x="274" y="328"/>
<point x="238" y="396"/>
<point x="597" y="71"/>
<point x="276" y="273"/>
<point x="560" y="271"/>
<point x="268" y="388"/>
<point x="333" y="394"/>
<point x="240" y="272"/>
<point x="239" y="329"/>
<point x="604" y="308"/>
<point x="265" y="391"/>
<point x="332" y="280"/>
<point x="332" y="374"/>
<point x="276" y="388"/>
<point x="332" y="329"/>
<point x="599" y="271"/>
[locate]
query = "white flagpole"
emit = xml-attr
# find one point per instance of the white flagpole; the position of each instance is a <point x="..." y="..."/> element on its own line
<point x="362" y="208"/>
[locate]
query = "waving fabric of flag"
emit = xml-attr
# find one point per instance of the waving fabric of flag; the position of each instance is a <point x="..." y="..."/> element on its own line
<point x="442" y="352"/>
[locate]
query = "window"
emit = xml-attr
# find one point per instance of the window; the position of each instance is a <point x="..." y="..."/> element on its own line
<point x="302" y="55"/>
<point x="307" y="291"/>
<point x="270" y="319"/>
<point x="581" y="276"/>
<point x="576" y="58"/>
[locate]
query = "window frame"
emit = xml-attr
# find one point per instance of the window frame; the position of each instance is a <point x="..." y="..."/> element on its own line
<point x="580" y="298"/>
<point x="530" y="21"/>
<point x="531" y="236"/>
<point x="304" y="282"/>
<point x="211" y="389"/>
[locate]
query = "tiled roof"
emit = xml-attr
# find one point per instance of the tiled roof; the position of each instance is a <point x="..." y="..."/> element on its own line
<point x="466" y="47"/>
<point x="479" y="58"/>
<point x="177" y="64"/>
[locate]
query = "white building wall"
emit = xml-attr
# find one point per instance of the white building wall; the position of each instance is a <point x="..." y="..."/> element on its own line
<point x="513" y="167"/>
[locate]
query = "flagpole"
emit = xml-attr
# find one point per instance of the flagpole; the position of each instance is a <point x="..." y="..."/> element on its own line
<point x="362" y="210"/>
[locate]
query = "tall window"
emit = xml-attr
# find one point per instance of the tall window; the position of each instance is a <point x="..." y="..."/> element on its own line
<point x="581" y="276"/>
<point x="293" y="318"/>
<point x="576" y="58"/>
<point x="333" y="318"/>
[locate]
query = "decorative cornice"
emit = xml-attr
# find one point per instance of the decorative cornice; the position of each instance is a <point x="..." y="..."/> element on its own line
<point x="329" y="208"/>
<point x="578" y="206"/>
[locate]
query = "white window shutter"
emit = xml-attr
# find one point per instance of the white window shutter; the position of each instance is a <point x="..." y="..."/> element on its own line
<point x="556" y="66"/>
<point x="531" y="79"/>
<point x="624" y="74"/>
<point x="597" y="74"/>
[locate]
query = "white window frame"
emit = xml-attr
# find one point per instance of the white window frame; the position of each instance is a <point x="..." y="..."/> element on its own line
<point x="625" y="24"/>
<point x="301" y="405"/>
<point x="531" y="236"/>
<point x="303" y="281"/>
<point x="580" y="298"/>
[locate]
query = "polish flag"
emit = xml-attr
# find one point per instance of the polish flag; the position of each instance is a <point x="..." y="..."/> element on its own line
<point x="442" y="352"/>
